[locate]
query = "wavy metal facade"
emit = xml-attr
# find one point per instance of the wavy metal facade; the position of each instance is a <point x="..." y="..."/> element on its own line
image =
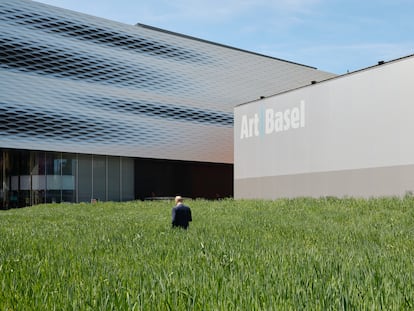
<point x="71" y="82"/>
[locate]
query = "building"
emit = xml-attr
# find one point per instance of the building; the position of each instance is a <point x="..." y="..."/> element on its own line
<point x="95" y="109"/>
<point x="346" y="136"/>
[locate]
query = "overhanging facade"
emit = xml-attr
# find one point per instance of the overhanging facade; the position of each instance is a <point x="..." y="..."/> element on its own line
<point x="74" y="86"/>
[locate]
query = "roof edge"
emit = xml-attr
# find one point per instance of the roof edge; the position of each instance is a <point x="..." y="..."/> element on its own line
<point x="219" y="44"/>
<point x="379" y="64"/>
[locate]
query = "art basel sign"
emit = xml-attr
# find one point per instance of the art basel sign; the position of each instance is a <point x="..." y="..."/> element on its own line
<point x="270" y="121"/>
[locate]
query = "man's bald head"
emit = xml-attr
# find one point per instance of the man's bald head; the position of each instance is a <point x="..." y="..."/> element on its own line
<point x="178" y="199"/>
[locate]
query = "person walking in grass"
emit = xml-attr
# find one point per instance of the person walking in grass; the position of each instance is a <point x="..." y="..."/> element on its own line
<point x="181" y="214"/>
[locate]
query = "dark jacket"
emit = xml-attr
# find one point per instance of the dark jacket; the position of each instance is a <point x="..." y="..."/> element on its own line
<point x="181" y="216"/>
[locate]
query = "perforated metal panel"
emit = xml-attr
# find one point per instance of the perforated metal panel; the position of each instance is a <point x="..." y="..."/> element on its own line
<point x="75" y="83"/>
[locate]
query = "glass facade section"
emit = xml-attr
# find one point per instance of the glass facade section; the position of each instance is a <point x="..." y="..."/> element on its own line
<point x="53" y="177"/>
<point x="3" y="186"/>
<point x="127" y="179"/>
<point x="85" y="178"/>
<point x="114" y="178"/>
<point x="35" y="183"/>
<point x="35" y="177"/>
<point x="99" y="178"/>
<point x="69" y="164"/>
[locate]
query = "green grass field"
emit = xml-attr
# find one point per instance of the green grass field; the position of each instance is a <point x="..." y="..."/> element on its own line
<point x="302" y="254"/>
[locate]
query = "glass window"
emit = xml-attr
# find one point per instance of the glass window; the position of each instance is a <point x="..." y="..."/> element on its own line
<point x="127" y="173"/>
<point x="84" y="178"/>
<point x="99" y="178"/>
<point x="24" y="170"/>
<point x="53" y="177"/>
<point x="36" y="181"/>
<point x="69" y="163"/>
<point x="114" y="175"/>
<point x="2" y="184"/>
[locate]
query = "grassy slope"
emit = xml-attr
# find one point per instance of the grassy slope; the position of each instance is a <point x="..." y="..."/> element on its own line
<point x="286" y="254"/>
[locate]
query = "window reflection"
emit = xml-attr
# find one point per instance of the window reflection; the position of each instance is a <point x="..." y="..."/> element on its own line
<point x="69" y="164"/>
<point x="35" y="177"/>
<point x="53" y="177"/>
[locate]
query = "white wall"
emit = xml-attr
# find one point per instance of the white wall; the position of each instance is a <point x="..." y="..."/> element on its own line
<point x="359" y="121"/>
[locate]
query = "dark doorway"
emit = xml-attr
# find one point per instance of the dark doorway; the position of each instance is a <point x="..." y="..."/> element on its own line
<point x="167" y="178"/>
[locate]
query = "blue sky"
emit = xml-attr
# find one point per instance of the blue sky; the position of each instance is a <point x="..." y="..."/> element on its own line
<point x="332" y="35"/>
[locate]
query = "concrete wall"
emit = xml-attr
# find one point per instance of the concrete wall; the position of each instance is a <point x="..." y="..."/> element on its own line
<point x="350" y="135"/>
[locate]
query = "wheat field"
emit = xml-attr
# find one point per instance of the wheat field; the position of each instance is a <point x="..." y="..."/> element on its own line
<point x="288" y="254"/>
